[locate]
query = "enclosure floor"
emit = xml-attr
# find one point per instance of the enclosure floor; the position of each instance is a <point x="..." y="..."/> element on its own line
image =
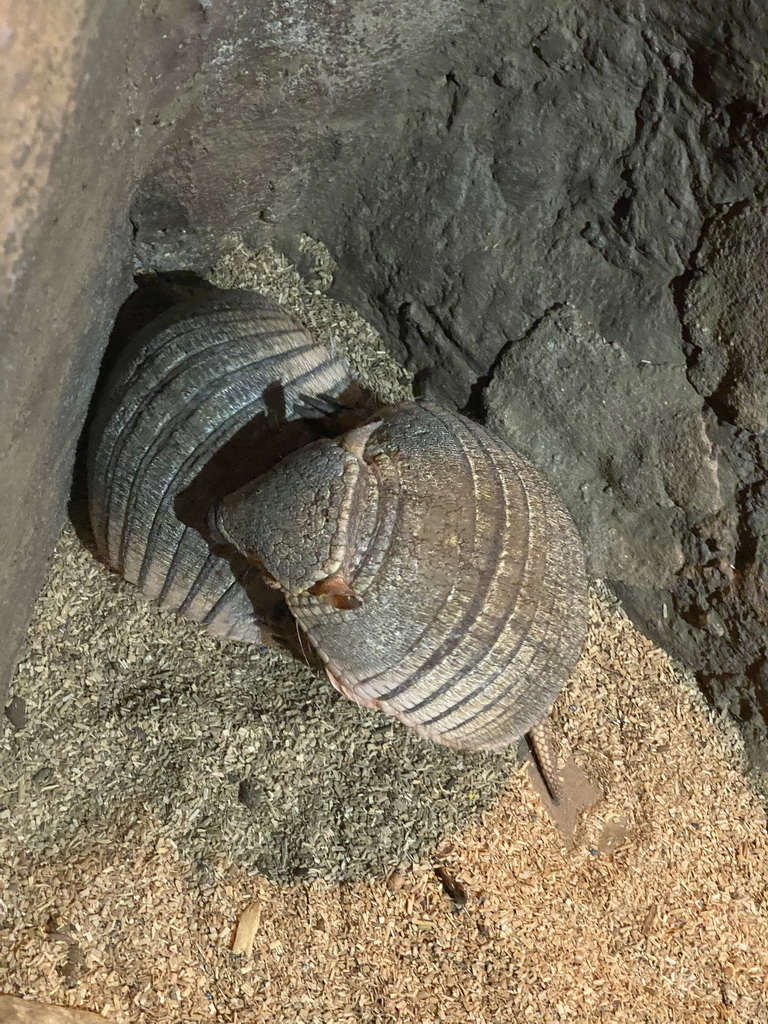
<point x="163" y="784"/>
<point x="654" y="912"/>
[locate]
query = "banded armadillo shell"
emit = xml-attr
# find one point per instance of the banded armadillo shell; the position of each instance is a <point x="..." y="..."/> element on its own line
<point x="469" y="571"/>
<point x="204" y="376"/>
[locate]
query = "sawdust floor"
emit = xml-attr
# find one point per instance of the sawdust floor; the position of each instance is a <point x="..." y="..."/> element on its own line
<point x="656" y="911"/>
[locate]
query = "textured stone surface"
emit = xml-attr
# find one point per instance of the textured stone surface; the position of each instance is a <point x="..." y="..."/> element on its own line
<point x="658" y="491"/>
<point x="489" y="177"/>
<point x="59" y="281"/>
<point x="726" y="316"/>
<point x="631" y="480"/>
<point x="89" y="90"/>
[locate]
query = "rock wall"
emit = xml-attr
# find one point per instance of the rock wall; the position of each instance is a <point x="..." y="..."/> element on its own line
<point x="554" y="212"/>
<point x="87" y="88"/>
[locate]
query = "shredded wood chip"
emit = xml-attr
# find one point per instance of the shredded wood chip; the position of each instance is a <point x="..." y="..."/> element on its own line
<point x="247" y="927"/>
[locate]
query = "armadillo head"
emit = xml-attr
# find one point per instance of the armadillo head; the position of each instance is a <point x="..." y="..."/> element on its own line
<point x="301" y="521"/>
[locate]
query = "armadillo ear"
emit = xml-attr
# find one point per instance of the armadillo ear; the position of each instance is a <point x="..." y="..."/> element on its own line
<point x="333" y="590"/>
